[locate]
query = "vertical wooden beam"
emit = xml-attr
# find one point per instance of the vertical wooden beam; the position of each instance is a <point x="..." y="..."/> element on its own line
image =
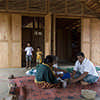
<point x="48" y="34"/>
<point x="90" y="41"/>
<point x="85" y="36"/>
<point x="9" y="40"/>
<point x="54" y="34"/>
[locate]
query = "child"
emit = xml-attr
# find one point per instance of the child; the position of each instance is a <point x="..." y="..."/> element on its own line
<point x="29" y="55"/>
<point x="38" y="56"/>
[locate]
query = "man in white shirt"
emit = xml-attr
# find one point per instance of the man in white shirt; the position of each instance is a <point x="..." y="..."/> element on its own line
<point x="84" y="71"/>
<point x="29" y="54"/>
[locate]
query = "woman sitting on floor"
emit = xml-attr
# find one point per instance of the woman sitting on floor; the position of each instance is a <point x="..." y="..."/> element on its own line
<point x="45" y="78"/>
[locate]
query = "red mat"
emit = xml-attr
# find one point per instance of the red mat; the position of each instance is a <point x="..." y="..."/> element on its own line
<point x="28" y="91"/>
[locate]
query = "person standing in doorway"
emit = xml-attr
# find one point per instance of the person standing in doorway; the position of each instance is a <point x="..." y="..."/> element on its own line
<point x="39" y="56"/>
<point x="29" y="55"/>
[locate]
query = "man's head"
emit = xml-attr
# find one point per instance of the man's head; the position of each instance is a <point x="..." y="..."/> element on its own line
<point x="80" y="56"/>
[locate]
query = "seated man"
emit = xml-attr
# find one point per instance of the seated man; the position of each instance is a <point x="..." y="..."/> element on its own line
<point x="84" y="71"/>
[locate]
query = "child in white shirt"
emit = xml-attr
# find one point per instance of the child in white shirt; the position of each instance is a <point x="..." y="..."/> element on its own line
<point x="29" y="55"/>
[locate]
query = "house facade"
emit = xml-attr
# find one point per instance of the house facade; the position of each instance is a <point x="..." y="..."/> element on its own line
<point x="59" y="27"/>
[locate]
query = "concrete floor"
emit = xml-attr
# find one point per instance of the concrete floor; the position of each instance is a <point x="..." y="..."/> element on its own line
<point x="4" y="74"/>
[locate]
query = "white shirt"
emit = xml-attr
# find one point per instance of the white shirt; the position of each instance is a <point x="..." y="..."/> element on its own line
<point x="55" y="65"/>
<point x="28" y="51"/>
<point x="86" y="66"/>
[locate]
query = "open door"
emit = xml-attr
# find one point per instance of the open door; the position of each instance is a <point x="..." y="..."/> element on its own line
<point x="68" y="40"/>
<point x="32" y="32"/>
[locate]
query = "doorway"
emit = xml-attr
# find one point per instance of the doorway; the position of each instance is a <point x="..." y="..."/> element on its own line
<point x="68" y="40"/>
<point x="32" y="32"/>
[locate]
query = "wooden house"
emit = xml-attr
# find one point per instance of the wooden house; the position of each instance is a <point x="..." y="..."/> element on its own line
<point x="59" y="27"/>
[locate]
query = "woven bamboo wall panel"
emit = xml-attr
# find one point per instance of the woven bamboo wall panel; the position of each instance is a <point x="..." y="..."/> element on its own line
<point x="88" y="11"/>
<point x="57" y="6"/>
<point x="3" y="54"/>
<point x="37" y="5"/>
<point x="94" y="5"/>
<point x="16" y="55"/>
<point x="17" y="4"/>
<point x="16" y="27"/>
<point x="74" y="7"/>
<point x="2" y="4"/>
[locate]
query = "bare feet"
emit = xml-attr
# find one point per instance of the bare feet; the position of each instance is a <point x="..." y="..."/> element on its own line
<point x="84" y="83"/>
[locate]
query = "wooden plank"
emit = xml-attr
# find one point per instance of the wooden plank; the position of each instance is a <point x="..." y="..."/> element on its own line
<point x="57" y="6"/>
<point x="16" y="54"/>
<point x="16" y="40"/>
<point x="95" y="40"/>
<point x="3" y="55"/>
<point x="17" y="4"/>
<point x="4" y="32"/>
<point x="16" y="27"/>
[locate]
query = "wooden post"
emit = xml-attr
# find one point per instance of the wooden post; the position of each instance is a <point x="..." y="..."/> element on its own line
<point x="54" y="34"/>
<point x="9" y="41"/>
<point x="48" y="34"/>
<point x="85" y="36"/>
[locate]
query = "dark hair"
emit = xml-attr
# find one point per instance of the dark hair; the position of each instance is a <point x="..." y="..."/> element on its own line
<point x="49" y="59"/>
<point x="81" y="54"/>
<point x="29" y="43"/>
<point x="38" y="47"/>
